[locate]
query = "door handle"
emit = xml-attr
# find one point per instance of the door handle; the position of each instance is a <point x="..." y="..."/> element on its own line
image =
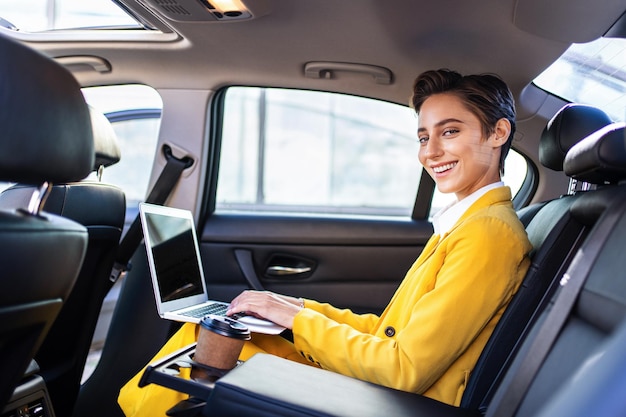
<point x="281" y="271"/>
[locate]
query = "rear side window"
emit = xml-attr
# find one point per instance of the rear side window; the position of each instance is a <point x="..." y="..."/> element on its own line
<point x="305" y="151"/>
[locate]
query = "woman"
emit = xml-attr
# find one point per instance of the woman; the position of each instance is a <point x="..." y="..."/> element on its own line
<point x="429" y="337"/>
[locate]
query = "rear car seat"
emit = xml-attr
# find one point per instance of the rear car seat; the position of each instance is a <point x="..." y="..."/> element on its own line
<point x="267" y="385"/>
<point x="601" y="305"/>
<point x="555" y="236"/>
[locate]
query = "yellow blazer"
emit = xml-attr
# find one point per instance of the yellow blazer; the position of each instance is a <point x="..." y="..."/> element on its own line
<point x="429" y="337"/>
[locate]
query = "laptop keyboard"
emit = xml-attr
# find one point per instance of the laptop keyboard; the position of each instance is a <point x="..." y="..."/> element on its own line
<point x="215" y="308"/>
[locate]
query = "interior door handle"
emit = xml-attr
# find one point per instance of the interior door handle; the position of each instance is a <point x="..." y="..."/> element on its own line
<point x="281" y="271"/>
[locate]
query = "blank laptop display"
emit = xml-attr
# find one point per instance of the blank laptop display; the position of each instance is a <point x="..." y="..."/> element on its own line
<point x="176" y="269"/>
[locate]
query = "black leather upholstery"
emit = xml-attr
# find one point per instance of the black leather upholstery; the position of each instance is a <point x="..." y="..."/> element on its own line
<point x="45" y="136"/>
<point x="46" y="129"/>
<point x="107" y="148"/>
<point x="101" y="209"/>
<point x="268" y="386"/>
<point x="599" y="158"/>
<point x="570" y="124"/>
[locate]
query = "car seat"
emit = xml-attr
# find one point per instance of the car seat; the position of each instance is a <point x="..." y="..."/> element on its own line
<point x="101" y="208"/>
<point x="46" y="138"/>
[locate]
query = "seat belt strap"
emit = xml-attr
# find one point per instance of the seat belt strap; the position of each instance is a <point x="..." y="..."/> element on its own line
<point x="507" y="400"/>
<point x="161" y="190"/>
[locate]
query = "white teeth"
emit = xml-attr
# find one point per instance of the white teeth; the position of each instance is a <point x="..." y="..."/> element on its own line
<point x="443" y="168"/>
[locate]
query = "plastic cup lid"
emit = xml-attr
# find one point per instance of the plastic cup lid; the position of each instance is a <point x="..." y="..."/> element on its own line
<point x="226" y="326"/>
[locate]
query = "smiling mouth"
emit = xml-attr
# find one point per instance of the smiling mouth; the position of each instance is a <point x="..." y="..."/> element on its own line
<point x="444" y="168"/>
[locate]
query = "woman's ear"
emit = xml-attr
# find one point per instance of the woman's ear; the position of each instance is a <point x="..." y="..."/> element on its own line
<point x="501" y="132"/>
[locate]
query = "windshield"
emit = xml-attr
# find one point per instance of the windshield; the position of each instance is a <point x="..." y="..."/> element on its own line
<point x="591" y="73"/>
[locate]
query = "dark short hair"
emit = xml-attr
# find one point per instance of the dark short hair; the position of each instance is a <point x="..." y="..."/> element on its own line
<point x="486" y="95"/>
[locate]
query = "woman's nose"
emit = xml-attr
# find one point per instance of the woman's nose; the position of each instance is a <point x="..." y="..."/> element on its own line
<point x="431" y="149"/>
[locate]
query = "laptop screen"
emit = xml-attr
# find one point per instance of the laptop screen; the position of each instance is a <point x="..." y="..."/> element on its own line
<point x="171" y="241"/>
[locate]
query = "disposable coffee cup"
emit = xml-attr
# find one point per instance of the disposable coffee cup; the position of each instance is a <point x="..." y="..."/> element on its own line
<point x="219" y="343"/>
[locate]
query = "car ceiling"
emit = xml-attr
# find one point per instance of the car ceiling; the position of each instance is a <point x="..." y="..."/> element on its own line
<point x="516" y="39"/>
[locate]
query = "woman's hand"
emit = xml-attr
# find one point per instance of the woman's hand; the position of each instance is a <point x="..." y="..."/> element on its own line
<point x="278" y="308"/>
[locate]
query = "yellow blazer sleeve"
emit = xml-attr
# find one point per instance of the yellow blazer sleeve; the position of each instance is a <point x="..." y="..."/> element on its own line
<point x="440" y="309"/>
<point x="361" y="322"/>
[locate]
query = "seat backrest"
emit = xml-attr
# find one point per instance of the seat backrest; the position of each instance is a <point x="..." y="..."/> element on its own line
<point x="601" y="305"/>
<point x="45" y="138"/>
<point x="555" y="236"/>
<point x="99" y="207"/>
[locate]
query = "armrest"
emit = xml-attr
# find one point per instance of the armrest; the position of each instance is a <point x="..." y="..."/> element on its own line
<point x="267" y="386"/>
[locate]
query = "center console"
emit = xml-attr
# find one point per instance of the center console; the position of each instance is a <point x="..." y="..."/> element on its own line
<point x="269" y="386"/>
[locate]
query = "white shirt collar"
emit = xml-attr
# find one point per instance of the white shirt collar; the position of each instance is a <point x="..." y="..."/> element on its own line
<point x="450" y="214"/>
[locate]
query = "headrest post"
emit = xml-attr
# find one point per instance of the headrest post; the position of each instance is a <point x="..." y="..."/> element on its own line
<point x="38" y="199"/>
<point x="577" y="185"/>
<point x="100" y="171"/>
<point x="571" y="189"/>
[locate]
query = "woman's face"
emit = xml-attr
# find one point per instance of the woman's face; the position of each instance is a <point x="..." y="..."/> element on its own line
<point x="453" y="149"/>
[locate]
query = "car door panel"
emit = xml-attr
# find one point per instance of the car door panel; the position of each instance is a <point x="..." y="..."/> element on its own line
<point x="353" y="263"/>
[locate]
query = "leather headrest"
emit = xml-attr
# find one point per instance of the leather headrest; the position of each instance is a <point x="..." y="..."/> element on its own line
<point x="45" y="128"/>
<point x="600" y="158"/>
<point x="569" y="125"/>
<point x="107" y="148"/>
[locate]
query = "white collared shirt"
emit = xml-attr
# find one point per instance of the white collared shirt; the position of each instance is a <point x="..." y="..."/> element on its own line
<point x="450" y="214"/>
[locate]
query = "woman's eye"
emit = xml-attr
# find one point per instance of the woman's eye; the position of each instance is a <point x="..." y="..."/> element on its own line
<point x="449" y="132"/>
<point x="422" y="139"/>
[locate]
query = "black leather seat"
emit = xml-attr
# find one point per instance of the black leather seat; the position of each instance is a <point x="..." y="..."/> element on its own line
<point x="555" y="236"/>
<point x="99" y="207"/>
<point x="567" y="127"/>
<point x="601" y="305"/>
<point x="45" y="138"/>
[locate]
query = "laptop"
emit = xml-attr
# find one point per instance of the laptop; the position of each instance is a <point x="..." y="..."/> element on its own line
<point x="176" y="269"/>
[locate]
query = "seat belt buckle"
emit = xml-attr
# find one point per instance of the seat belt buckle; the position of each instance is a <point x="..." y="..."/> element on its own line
<point x="119" y="271"/>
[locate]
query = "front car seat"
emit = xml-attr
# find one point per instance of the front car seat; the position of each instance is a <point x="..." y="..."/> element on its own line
<point x="101" y="208"/>
<point x="46" y="138"/>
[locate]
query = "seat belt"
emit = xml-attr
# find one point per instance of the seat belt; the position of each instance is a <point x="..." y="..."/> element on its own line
<point x="506" y="401"/>
<point x="161" y="190"/>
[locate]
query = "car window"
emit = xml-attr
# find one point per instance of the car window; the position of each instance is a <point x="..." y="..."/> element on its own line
<point x="135" y="113"/>
<point x="315" y="152"/>
<point x="37" y="15"/>
<point x="592" y="73"/>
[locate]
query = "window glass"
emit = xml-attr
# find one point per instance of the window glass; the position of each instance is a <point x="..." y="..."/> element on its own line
<point x="138" y="140"/>
<point x="591" y="73"/>
<point x="135" y="112"/>
<point x="306" y="151"/>
<point x="43" y="15"/>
